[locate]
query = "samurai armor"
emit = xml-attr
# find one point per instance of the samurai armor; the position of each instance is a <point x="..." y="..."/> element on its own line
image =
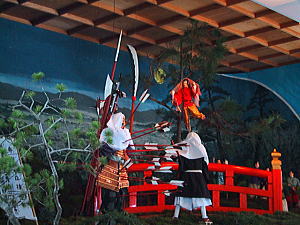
<point x="113" y="176"/>
<point x="109" y="176"/>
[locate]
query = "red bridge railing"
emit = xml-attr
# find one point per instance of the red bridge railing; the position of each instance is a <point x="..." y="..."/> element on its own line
<point x="273" y="191"/>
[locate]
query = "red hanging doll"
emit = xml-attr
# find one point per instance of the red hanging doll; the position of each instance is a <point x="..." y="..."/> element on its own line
<point x="187" y="94"/>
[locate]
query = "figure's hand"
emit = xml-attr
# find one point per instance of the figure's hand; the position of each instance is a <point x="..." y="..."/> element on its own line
<point x="178" y="108"/>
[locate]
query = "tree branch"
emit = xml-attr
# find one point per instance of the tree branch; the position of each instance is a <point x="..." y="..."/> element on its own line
<point x="25" y="107"/>
<point x="53" y="124"/>
<point x="19" y="129"/>
<point x="164" y="104"/>
<point x="45" y="104"/>
<point x="72" y="149"/>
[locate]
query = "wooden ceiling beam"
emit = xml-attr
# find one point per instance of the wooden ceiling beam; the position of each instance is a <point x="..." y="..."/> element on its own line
<point x="106" y="19"/>
<point x="163" y="1"/>
<point x="290" y="62"/>
<point x="6" y="6"/>
<point x="233" y="21"/>
<point x="261" y="16"/>
<point x="288" y="24"/>
<point x="248" y="48"/>
<point x="167" y="39"/>
<point x="82" y="36"/>
<point x="282" y="40"/>
<point x="256" y="58"/>
<point x="233" y="38"/>
<point x="169" y="20"/>
<point x="136" y="8"/>
<point x="135" y="36"/>
<point x="240" y="62"/>
<point x="52" y="13"/>
<point x="260" y="68"/>
<point x="77" y="35"/>
<point x="270" y="56"/>
<point x="204" y="9"/>
<point x="14" y="18"/>
<point x="91" y="1"/>
<point x="42" y="19"/>
<point x="69" y="7"/>
<point x="214" y="23"/>
<point x="141" y="46"/>
<point x="259" y="31"/>
<point x="77" y="29"/>
<point x="230" y="2"/>
<point x="22" y="1"/>
<point x="136" y="17"/>
<point x="241" y="34"/>
<point x="262" y="13"/>
<point x="293" y="51"/>
<point x="227" y="64"/>
<point x="108" y="39"/>
<point x="139" y="29"/>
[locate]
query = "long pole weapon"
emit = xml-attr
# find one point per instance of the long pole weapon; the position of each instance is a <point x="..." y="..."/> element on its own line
<point x="104" y="117"/>
<point x="91" y="192"/>
<point x="136" y="81"/>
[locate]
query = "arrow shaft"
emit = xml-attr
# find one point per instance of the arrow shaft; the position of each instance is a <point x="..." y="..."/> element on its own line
<point x="141" y="135"/>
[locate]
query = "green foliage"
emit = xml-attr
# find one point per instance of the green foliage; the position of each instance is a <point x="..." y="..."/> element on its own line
<point x="230" y="110"/>
<point x="246" y="218"/>
<point x="66" y="167"/>
<point x="66" y="113"/>
<point x="60" y="87"/>
<point x="45" y="183"/>
<point x="50" y="121"/>
<point x="7" y="163"/>
<point x="103" y="160"/>
<point x="38" y="76"/>
<point x="27" y="169"/>
<point x="259" y="101"/>
<point x="219" y="218"/>
<point x="61" y="183"/>
<point x="38" y="108"/>
<point x="3" y="124"/>
<point x="31" y="130"/>
<point x="108" y="134"/>
<point x="79" y="116"/>
<point x="18" y="114"/>
<point x="3" y="152"/>
<point x="30" y="94"/>
<point x="95" y="125"/>
<point x="26" y="154"/>
<point x="70" y="103"/>
<point x="91" y="134"/>
<point x="76" y="132"/>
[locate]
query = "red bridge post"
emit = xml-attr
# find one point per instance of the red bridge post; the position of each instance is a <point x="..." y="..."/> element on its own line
<point x="277" y="181"/>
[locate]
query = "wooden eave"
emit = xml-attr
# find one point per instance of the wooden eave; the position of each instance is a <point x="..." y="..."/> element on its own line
<point x="257" y="37"/>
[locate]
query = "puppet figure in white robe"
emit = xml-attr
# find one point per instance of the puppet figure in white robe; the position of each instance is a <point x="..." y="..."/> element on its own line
<point x="193" y="170"/>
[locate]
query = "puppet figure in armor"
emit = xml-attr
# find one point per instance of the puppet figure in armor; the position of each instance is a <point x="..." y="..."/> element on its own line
<point x="113" y="178"/>
<point x="193" y="170"/>
<point x="186" y="95"/>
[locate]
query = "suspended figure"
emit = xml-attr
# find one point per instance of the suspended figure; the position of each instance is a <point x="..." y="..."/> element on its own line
<point x="193" y="170"/>
<point x="113" y="178"/>
<point x="185" y="96"/>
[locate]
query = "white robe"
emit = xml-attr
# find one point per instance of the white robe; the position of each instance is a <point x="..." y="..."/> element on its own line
<point x="193" y="150"/>
<point x="119" y="135"/>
